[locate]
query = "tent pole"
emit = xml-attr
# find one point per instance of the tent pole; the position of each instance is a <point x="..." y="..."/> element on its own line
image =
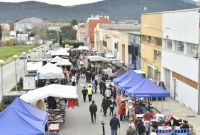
<point x="156" y="103"/>
<point x="162" y="105"/>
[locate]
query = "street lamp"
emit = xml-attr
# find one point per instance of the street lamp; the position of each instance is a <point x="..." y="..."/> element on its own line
<point x="1" y="64"/>
<point x="15" y="57"/>
<point x="24" y="56"/>
<point x="29" y="51"/>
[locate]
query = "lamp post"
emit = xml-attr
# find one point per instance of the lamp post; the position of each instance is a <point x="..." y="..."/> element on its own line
<point x="1" y="64"/>
<point x="24" y="56"/>
<point x="29" y="51"/>
<point x="15" y="56"/>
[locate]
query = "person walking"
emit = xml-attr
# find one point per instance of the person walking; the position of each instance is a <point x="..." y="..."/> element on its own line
<point x="93" y="110"/>
<point x="89" y="92"/>
<point x="114" y="125"/>
<point x="112" y="105"/>
<point x="84" y="92"/>
<point x="96" y="84"/>
<point x="105" y="105"/>
<point x="122" y="110"/>
<point x="140" y="128"/>
<point x="131" y="130"/>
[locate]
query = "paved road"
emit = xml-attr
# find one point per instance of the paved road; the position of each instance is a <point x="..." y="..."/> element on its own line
<point x="78" y="120"/>
<point x="9" y="75"/>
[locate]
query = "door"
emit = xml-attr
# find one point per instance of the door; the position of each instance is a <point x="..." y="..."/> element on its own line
<point x="174" y="89"/>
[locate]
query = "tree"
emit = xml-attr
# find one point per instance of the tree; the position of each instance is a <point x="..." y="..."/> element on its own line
<point x="60" y="39"/>
<point x="0" y="33"/>
<point x="74" y="22"/>
<point x="68" y="32"/>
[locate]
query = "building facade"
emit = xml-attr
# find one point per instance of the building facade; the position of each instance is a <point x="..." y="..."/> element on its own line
<point x="29" y="24"/>
<point x="180" y="45"/>
<point x="170" y="53"/>
<point x="81" y="33"/>
<point x="151" y="44"/>
<point x="115" y="39"/>
<point x="90" y="26"/>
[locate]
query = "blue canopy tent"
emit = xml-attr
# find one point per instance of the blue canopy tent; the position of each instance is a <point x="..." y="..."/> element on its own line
<point x="15" y="120"/>
<point x="134" y="80"/>
<point x="124" y="76"/>
<point x="147" y="89"/>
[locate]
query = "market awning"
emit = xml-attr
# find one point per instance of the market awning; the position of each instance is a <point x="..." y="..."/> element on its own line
<point x="54" y="90"/>
<point x="20" y="118"/>
<point x="50" y="71"/>
<point x="83" y="48"/>
<point x="131" y="82"/>
<point x="124" y="76"/>
<point x="98" y="58"/>
<point x="117" y="73"/>
<point x="147" y="88"/>
<point x="56" y="59"/>
<point x="64" y="62"/>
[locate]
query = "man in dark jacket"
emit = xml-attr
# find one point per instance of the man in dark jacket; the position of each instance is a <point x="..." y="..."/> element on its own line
<point x="93" y="110"/>
<point x="140" y="128"/>
<point x="131" y="130"/>
<point x="114" y="124"/>
<point x="84" y="92"/>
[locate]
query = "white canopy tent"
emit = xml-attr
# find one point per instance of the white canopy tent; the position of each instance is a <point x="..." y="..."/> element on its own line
<point x="83" y="48"/>
<point x="54" y="90"/>
<point x="109" y="56"/>
<point x="64" y="62"/>
<point x="56" y="59"/>
<point x="98" y="58"/>
<point x="50" y="71"/>
<point x="60" y="52"/>
<point x="33" y="66"/>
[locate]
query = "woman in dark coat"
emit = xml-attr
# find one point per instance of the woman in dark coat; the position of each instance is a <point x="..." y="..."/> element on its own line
<point x="105" y="105"/>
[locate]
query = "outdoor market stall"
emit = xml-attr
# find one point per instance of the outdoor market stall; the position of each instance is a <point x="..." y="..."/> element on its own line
<point x="65" y="93"/>
<point x="138" y="91"/>
<point x="117" y="73"/>
<point x="83" y="48"/>
<point x="20" y="118"/>
<point x="50" y="71"/>
<point x="56" y="59"/>
<point x="98" y="59"/>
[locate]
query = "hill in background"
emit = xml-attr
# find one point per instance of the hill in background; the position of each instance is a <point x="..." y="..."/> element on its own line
<point x="116" y="9"/>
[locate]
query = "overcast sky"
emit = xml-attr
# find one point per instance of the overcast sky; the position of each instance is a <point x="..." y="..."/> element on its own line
<point x="59" y="2"/>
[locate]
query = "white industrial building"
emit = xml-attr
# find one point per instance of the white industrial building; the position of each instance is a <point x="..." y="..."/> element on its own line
<point x="29" y="24"/>
<point x="180" y="70"/>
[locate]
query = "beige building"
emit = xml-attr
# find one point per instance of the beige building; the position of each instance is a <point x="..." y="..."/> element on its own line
<point x="81" y="33"/>
<point x="151" y="44"/>
<point x="114" y="39"/>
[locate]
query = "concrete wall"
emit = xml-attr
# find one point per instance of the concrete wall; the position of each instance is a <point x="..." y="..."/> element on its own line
<point x="187" y="95"/>
<point x="181" y="26"/>
<point x="181" y="64"/>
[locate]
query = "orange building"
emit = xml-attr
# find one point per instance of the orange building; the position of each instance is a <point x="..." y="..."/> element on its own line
<point x="90" y="26"/>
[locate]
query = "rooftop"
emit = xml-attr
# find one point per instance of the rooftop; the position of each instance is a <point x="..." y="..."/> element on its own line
<point x="120" y="26"/>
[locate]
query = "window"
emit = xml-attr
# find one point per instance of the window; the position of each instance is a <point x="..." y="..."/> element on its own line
<point x="157" y="55"/>
<point x="169" y="44"/>
<point x="179" y="46"/>
<point x="116" y="46"/>
<point x="104" y="43"/>
<point x="158" y="41"/>
<point x="192" y="49"/>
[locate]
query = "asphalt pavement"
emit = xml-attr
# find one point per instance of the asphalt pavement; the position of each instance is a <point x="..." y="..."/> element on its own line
<point x="78" y="121"/>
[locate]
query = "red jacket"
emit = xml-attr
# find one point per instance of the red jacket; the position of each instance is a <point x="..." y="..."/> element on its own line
<point x="122" y="109"/>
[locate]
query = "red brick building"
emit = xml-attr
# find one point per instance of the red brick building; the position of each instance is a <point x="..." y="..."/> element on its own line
<point x="90" y="26"/>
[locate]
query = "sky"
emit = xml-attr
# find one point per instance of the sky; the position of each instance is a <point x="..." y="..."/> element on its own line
<point x="58" y="2"/>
